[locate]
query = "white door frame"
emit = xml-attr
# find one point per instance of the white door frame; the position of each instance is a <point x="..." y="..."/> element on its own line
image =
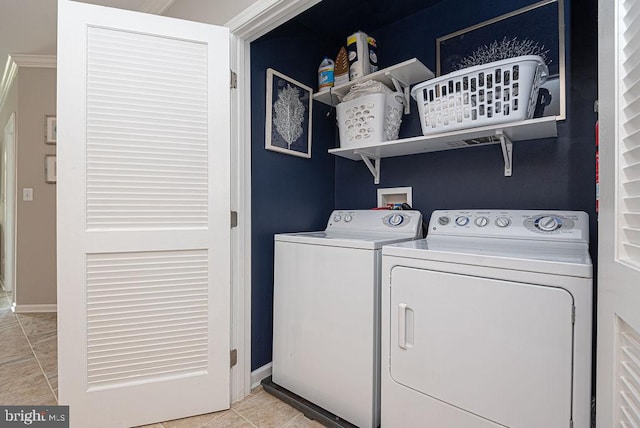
<point x="251" y="24"/>
<point x="9" y="172"/>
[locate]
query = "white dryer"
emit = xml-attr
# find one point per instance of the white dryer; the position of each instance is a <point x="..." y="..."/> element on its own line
<point x="487" y="322"/>
<point x="326" y="320"/>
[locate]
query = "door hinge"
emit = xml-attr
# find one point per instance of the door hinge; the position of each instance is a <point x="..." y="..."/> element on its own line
<point x="234" y="219"/>
<point x="573" y="314"/>
<point x="233" y="357"/>
<point x="234" y="80"/>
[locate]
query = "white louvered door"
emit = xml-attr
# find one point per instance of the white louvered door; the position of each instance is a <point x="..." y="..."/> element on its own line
<point x="618" y="342"/>
<point x="143" y="216"/>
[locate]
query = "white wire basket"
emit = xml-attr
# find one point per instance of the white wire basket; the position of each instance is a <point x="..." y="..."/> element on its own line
<point x="497" y="92"/>
<point x="369" y="119"/>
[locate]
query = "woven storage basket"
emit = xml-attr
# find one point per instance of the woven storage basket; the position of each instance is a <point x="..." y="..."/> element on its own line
<point x="497" y="92"/>
<point x="369" y="119"/>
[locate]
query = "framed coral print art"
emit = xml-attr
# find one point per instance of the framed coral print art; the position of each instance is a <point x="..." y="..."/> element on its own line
<point x="288" y="115"/>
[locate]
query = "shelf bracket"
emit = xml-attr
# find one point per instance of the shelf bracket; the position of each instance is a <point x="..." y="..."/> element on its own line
<point x="507" y="152"/>
<point x="403" y="88"/>
<point x="373" y="168"/>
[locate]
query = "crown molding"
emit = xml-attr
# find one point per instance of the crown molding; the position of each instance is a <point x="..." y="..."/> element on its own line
<point x="157" y="7"/>
<point x="39" y="61"/>
<point x="265" y="15"/>
<point x="14" y="61"/>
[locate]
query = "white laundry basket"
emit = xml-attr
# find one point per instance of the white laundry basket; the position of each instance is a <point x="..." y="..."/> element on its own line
<point x="497" y="92"/>
<point x="369" y="119"/>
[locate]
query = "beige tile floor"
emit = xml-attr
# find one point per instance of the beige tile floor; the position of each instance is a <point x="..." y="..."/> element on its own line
<point x="29" y="376"/>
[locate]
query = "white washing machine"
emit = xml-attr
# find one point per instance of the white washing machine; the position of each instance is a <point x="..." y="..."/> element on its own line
<point x="326" y="321"/>
<point x="487" y="322"/>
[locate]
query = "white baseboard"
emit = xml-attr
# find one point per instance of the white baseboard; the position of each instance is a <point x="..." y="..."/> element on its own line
<point x="25" y="309"/>
<point x="261" y="373"/>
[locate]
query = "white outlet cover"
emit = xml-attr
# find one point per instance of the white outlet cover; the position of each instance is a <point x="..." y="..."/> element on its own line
<point x="27" y="194"/>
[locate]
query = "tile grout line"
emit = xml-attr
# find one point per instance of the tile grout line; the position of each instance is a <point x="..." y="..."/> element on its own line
<point x="248" y="399"/>
<point x="5" y="294"/>
<point x="292" y="419"/>
<point x="36" y="357"/>
<point x="245" y="400"/>
<point x="243" y="417"/>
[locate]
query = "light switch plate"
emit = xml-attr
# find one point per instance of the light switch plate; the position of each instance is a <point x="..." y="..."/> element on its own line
<point x="27" y="194"/>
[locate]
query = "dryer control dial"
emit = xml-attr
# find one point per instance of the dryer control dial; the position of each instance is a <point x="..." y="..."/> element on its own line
<point x="481" y="221"/>
<point x="337" y="217"/>
<point x="444" y="220"/>
<point x="548" y="223"/>
<point x="348" y="218"/>
<point x="462" y="221"/>
<point x="503" y="222"/>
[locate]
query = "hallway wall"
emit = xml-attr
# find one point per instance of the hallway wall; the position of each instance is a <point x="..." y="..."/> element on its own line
<point x="35" y="220"/>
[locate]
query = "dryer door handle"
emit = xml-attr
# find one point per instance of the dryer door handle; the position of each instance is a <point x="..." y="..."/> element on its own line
<point x="405" y="326"/>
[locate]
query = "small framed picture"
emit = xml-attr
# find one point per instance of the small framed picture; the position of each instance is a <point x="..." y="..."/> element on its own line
<point x="288" y="115"/>
<point x="50" y="169"/>
<point x="51" y="130"/>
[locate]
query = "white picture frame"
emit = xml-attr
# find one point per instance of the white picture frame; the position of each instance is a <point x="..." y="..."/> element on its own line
<point x="288" y="115"/>
<point x="50" y="169"/>
<point x="51" y="130"/>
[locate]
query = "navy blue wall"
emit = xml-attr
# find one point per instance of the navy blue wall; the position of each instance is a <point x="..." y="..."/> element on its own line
<point x="288" y="193"/>
<point x="556" y="173"/>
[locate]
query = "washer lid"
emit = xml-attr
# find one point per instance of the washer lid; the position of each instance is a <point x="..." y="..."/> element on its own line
<point x="558" y="258"/>
<point x="366" y="241"/>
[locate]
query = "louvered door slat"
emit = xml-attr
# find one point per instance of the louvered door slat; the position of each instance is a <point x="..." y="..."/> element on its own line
<point x="632" y="35"/>
<point x="629" y="149"/>
<point x="632" y="235"/>
<point x="632" y="219"/>
<point x="631" y="12"/>
<point x="118" y="72"/>
<point x="127" y="283"/>
<point x="631" y="250"/>
<point x="628" y="370"/>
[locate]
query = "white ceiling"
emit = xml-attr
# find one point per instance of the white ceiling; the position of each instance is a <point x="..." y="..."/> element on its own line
<point x="29" y="26"/>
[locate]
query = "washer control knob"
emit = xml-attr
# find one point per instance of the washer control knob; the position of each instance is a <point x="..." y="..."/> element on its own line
<point x="348" y="218"/>
<point x="337" y="217"/>
<point x="548" y="223"/>
<point x="396" y="220"/>
<point x="503" y="222"/>
<point x="481" y="221"/>
<point x="462" y="221"/>
<point x="444" y="220"/>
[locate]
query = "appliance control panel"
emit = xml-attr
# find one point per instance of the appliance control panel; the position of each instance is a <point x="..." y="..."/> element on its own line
<point x="517" y="224"/>
<point x="376" y="221"/>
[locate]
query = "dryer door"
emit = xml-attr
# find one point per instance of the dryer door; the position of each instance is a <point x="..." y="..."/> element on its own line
<point x="501" y="350"/>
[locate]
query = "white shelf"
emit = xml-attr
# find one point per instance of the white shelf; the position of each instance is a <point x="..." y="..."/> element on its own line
<point x="504" y="134"/>
<point x="405" y="74"/>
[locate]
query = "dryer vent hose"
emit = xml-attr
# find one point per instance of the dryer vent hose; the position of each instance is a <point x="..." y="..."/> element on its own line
<point x="406" y="206"/>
